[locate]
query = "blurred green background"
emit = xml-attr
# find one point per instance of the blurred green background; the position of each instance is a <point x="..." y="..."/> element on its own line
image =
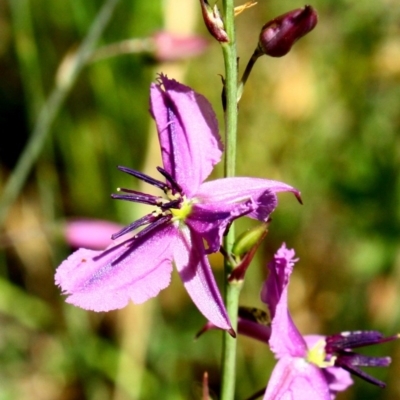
<point x="325" y="119"/>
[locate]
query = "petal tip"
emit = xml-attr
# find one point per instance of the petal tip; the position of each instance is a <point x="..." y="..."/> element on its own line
<point x="297" y="194"/>
<point x="232" y="332"/>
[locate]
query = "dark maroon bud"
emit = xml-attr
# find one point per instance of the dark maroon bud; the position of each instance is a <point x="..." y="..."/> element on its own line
<point x="213" y="21"/>
<point x="278" y="35"/>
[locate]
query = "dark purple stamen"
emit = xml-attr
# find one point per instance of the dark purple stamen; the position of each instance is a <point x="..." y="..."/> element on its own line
<point x="131" y="191"/>
<point x="174" y="184"/>
<point x="361" y="360"/>
<point x="340" y="346"/>
<point x="348" y="365"/>
<point x="138" y="198"/>
<point x="149" y="228"/>
<point x="143" y="177"/>
<point x="171" y="204"/>
<point x="159" y="221"/>
<point x="111" y="249"/>
<point x="152" y="220"/>
<point x="134" y="225"/>
<point x="130" y="243"/>
<point x="355" y="339"/>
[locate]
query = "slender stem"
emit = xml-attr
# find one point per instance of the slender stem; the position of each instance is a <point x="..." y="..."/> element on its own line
<point x="51" y="108"/>
<point x="232" y="291"/>
<point x="257" y="53"/>
<point x="230" y="343"/>
<point x="230" y="59"/>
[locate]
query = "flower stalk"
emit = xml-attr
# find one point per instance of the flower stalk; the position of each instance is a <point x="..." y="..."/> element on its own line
<point x="279" y="35"/>
<point x="232" y="290"/>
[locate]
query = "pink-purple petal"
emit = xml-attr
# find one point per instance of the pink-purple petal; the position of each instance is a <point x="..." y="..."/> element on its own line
<point x="294" y="378"/>
<point x="198" y="279"/>
<point x="188" y="132"/>
<point x="240" y="189"/>
<point x="99" y="285"/>
<point x="285" y="337"/>
<point x="210" y="221"/>
<point x="279" y="270"/>
<point x="338" y="380"/>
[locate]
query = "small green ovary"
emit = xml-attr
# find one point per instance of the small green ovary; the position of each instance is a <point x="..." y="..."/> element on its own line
<point x="316" y="355"/>
<point x="180" y="214"/>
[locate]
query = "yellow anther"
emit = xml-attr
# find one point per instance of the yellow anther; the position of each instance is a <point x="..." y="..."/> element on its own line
<point x="240" y="9"/>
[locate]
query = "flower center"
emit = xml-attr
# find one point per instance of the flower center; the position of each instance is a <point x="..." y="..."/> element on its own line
<point x="180" y="214"/>
<point x="317" y="355"/>
<point x="173" y="206"/>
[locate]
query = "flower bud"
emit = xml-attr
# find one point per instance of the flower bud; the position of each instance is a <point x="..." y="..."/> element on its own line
<point x="244" y="250"/>
<point x="248" y="239"/>
<point x="213" y="21"/>
<point x="278" y="35"/>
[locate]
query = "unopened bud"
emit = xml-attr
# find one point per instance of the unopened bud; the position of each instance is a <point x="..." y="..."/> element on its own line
<point x="249" y="239"/>
<point x="213" y="21"/>
<point x="244" y="250"/>
<point x="278" y="35"/>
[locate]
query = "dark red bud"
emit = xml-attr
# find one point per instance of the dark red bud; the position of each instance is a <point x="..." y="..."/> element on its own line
<point x="278" y="36"/>
<point x="213" y="21"/>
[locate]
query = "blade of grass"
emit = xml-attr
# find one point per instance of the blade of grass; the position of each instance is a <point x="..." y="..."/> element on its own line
<point x="51" y="107"/>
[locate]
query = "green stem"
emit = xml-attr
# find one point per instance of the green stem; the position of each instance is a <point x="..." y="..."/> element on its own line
<point x="231" y="77"/>
<point x="257" y="53"/>
<point x="232" y="290"/>
<point x="229" y="348"/>
<point x="51" y="109"/>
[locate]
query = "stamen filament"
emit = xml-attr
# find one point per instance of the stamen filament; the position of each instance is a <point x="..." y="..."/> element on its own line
<point x="171" y="204"/>
<point x="131" y="191"/>
<point x="143" y="232"/>
<point x="143" y="177"/>
<point x="361" y="374"/>
<point x="111" y="249"/>
<point x="138" y="198"/>
<point x="159" y="221"/>
<point x="134" y="225"/>
<point x="175" y="185"/>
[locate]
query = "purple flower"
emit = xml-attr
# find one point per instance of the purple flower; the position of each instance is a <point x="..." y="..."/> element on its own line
<point x="167" y="46"/>
<point x="189" y="213"/>
<point x="312" y="366"/>
<point x="89" y="233"/>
